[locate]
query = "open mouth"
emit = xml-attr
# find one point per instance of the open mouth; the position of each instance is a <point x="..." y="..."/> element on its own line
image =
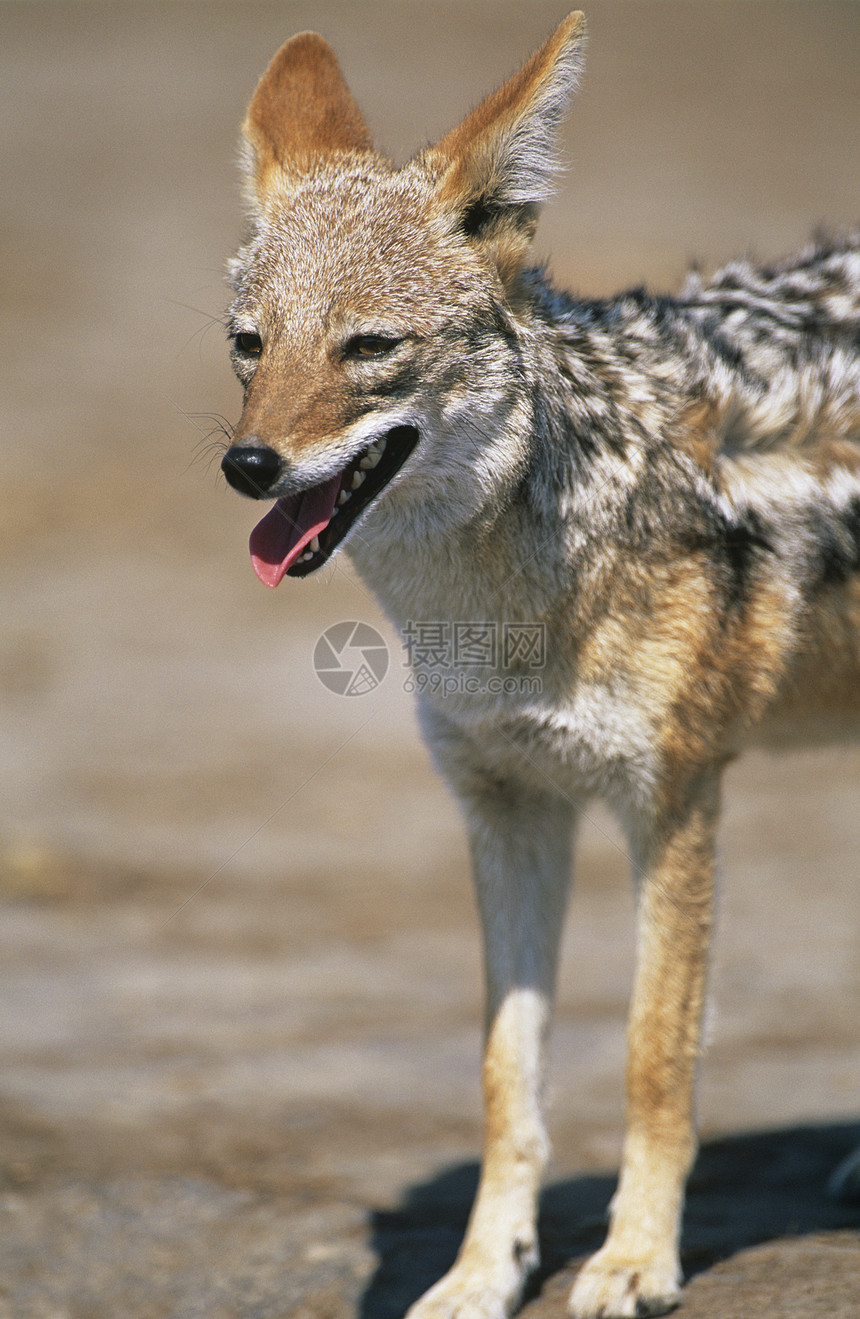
<point x="300" y="532"/>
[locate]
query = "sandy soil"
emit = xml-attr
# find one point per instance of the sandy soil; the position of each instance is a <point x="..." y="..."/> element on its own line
<point x="240" y="976"/>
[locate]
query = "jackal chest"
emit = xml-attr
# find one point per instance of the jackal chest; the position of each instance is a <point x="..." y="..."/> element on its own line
<point x="577" y="740"/>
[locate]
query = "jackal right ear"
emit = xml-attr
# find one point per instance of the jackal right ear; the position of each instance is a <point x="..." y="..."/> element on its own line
<point x="499" y="164"/>
<point x="302" y="109"/>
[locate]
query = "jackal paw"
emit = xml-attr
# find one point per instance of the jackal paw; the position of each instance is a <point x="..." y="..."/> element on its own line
<point x="613" y="1287"/>
<point x="442" y="1303"/>
<point x="475" y="1293"/>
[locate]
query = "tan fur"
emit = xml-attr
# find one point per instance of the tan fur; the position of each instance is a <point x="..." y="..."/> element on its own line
<point x="470" y="148"/>
<point x="468" y="156"/>
<point x="302" y="107"/>
<point x="669" y="490"/>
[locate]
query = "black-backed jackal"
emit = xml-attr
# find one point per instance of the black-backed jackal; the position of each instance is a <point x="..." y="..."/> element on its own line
<point x="668" y="487"/>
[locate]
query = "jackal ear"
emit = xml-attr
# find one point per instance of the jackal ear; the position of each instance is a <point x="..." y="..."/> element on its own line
<point x="302" y="109"/>
<point x="499" y="164"/>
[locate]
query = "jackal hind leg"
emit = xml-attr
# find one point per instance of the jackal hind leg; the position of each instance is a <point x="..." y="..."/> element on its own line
<point x="637" y="1272"/>
<point x="521" y="855"/>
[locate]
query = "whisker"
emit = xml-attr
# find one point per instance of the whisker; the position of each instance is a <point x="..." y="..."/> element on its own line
<point x="210" y="320"/>
<point x="218" y="422"/>
<point x="209" y="450"/>
<point x="214" y="441"/>
<point x="220" y="319"/>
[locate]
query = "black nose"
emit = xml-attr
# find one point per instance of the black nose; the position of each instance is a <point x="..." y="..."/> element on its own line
<point x="252" y="469"/>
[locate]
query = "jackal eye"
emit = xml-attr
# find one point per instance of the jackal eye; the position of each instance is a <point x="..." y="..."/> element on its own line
<point x="370" y="345"/>
<point x="248" y="344"/>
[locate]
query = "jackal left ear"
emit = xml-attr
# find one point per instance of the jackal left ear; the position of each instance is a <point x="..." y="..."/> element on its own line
<point x="302" y="109"/>
<point x="498" y="165"/>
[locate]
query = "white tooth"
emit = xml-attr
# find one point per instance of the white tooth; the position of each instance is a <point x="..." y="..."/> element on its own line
<point x="380" y="445"/>
<point x="305" y="557"/>
<point x="357" y="480"/>
<point x="369" y="462"/>
<point x="343" y="498"/>
<point x="315" y="543"/>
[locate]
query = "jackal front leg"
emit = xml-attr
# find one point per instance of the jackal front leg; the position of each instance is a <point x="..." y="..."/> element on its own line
<point x="637" y="1272"/>
<point x="521" y="855"/>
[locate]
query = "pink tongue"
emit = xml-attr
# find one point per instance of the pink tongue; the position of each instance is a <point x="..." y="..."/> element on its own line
<point x="281" y="536"/>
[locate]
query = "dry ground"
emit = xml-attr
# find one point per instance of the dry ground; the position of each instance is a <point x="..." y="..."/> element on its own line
<point x="239" y="999"/>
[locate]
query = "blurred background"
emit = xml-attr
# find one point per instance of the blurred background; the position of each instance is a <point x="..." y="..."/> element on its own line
<point x="240" y="986"/>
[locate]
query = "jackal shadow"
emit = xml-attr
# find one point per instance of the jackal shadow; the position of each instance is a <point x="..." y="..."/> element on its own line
<point x="744" y="1190"/>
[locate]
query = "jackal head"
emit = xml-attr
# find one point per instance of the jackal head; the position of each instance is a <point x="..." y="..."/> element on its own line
<point x="375" y="325"/>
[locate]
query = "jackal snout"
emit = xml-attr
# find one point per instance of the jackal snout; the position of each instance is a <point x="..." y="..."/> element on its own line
<point x="252" y="468"/>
